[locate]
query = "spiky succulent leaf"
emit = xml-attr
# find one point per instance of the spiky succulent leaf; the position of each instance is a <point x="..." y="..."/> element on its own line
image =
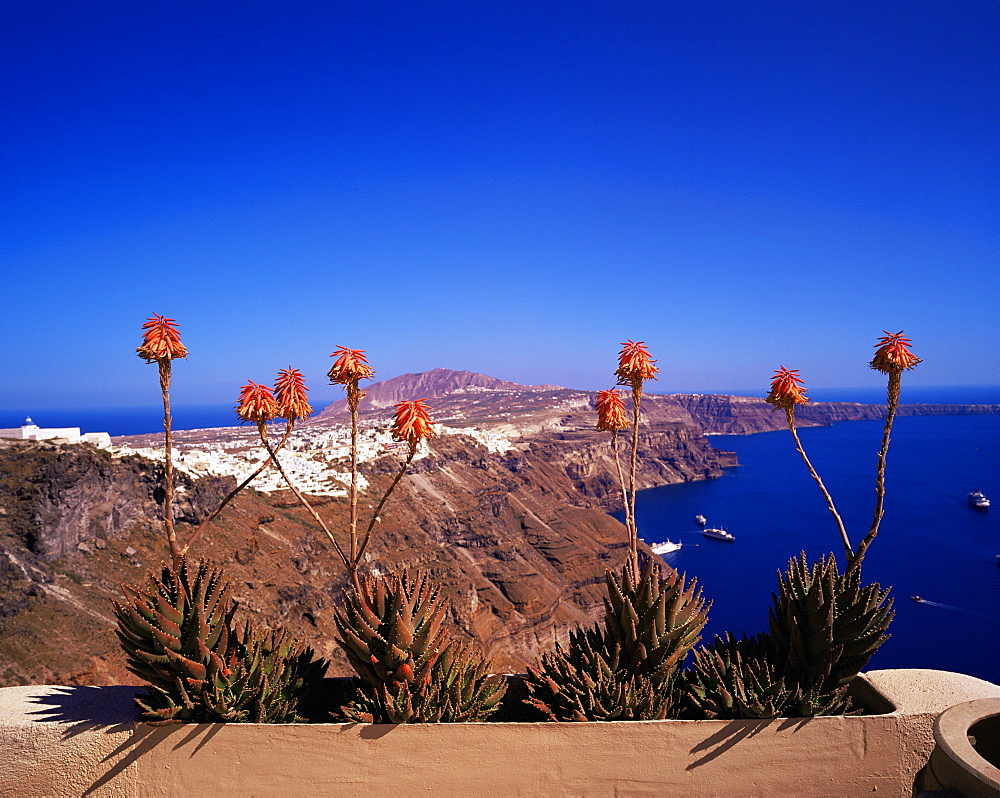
<point x="459" y="690"/>
<point x="825" y="626"/>
<point x="654" y="622"/>
<point x="178" y="636"/>
<point x="384" y="612"/>
<point x="734" y="678"/>
<point x="586" y="682"/>
<point x="627" y="668"/>
<point x="391" y="630"/>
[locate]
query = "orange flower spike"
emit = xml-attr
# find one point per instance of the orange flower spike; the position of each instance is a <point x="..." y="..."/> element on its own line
<point x="290" y="391"/>
<point x="412" y="423"/>
<point x="161" y="340"/>
<point x="349" y="367"/>
<point x="611" y="414"/>
<point x="893" y="355"/>
<point x="257" y="404"/>
<point x="635" y="364"/>
<point x="786" y="389"/>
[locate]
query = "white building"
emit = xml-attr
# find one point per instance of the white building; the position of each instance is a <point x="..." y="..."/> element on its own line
<point x="29" y="431"/>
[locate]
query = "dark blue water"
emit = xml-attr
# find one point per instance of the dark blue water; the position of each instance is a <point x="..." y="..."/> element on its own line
<point x="124" y="420"/>
<point x="931" y="543"/>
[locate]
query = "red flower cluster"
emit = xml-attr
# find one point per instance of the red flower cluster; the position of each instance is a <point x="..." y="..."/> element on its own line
<point x="611" y="411"/>
<point x="257" y="403"/>
<point x="634" y="364"/>
<point x="290" y="390"/>
<point x="161" y="340"/>
<point x="412" y="423"/>
<point x="893" y="355"/>
<point x="786" y="389"/>
<point x="349" y="367"/>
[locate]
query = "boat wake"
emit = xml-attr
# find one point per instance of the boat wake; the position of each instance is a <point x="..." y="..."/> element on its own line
<point x="952" y="607"/>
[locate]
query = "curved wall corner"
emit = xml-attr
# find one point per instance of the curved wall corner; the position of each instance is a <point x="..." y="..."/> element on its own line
<point x="966" y="756"/>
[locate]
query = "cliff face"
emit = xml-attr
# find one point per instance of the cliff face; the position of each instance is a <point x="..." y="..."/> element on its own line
<point x="668" y="453"/>
<point x="742" y="415"/>
<point x="519" y="542"/>
<point x="58" y="497"/>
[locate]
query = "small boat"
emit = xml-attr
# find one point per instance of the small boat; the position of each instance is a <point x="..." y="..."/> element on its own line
<point x="979" y="501"/>
<point x="700" y="520"/>
<point x="917" y="599"/>
<point x="718" y="534"/>
<point x="666" y="547"/>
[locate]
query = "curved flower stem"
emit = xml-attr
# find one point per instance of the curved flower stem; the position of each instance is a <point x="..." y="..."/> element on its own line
<point x="381" y="504"/>
<point x="176" y="554"/>
<point x="302" y="499"/>
<point x="353" y="400"/>
<point x="237" y="489"/>
<point x="892" y="404"/>
<point x="790" y="416"/>
<point x="633" y="544"/>
<point x="621" y="481"/>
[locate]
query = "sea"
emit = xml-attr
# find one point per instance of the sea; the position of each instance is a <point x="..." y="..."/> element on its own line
<point x="931" y="543"/>
<point x="127" y="420"/>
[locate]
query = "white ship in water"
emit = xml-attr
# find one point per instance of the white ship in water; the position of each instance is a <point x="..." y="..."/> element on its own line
<point x="667" y="547"/>
<point x="718" y="534"/>
<point x="978" y="500"/>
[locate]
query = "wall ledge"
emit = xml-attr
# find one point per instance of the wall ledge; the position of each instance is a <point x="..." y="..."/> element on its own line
<point x="86" y="741"/>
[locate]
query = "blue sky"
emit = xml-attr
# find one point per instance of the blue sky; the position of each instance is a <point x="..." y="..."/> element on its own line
<point x="511" y="188"/>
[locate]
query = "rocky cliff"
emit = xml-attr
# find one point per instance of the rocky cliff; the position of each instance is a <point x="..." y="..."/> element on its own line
<point x="519" y="541"/>
<point x="59" y="497"/>
<point x="742" y="415"/>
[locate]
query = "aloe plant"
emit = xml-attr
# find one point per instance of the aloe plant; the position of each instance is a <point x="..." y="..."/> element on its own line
<point x="735" y="678"/>
<point x="459" y="689"/>
<point x="655" y="620"/>
<point x="626" y="668"/>
<point x="390" y="628"/>
<point x="179" y="636"/>
<point x="586" y="681"/>
<point x="824" y="625"/>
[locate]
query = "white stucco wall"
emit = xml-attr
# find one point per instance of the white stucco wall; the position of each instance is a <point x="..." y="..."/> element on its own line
<point x="32" y="432"/>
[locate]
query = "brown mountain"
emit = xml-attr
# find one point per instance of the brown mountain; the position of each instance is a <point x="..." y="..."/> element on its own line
<point x="463" y="398"/>
<point x="427" y="385"/>
<point x="519" y="541"/>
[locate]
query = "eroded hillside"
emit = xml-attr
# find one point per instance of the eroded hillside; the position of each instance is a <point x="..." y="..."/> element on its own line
<point x="519" y="541"/>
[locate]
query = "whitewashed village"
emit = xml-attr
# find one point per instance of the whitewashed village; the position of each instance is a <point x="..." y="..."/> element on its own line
<point x="316" y="457"/>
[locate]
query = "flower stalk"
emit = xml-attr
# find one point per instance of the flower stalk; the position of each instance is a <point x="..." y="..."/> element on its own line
<point x="635" y="366"/>
<point x="611" y="418"/>
<point x="288" y="401"/>
<point x="786" y="392"/>
<point x="892" y="357"/>
<point x="161" y="344"/>
<point x="259" y="405"/>
<point x="412" y="424"/>
<point x="350" y="367"/>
